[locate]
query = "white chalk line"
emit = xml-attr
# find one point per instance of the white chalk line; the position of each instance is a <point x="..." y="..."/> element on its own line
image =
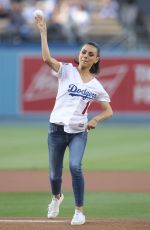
<point x="67" y="221"/>
<point x="33" y="221"/>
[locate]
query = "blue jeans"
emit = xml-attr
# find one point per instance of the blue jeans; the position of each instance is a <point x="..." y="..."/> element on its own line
<point x="58" y="140"/>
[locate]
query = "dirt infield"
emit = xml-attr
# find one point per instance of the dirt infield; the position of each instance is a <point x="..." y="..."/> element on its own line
<point x="64" y="224"/>
<point x="35" y="181"/>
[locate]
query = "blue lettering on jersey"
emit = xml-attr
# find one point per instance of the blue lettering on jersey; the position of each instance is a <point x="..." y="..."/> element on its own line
<point x="84" y="93"/>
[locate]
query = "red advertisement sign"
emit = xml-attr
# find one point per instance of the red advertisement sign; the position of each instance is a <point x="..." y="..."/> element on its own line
<point x="127" y="80"/>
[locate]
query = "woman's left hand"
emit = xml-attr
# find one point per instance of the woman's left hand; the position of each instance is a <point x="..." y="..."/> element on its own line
<point x="92" y="124"/>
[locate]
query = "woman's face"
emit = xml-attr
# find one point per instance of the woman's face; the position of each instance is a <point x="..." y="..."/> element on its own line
<point x="88" y="56"/>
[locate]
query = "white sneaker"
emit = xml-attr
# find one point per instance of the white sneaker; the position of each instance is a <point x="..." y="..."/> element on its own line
<point x="78" y="218"/>
<point x="53" y="207"/>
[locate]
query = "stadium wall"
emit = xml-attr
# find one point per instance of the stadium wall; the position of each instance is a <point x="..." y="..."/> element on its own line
<point x="19" y="64"/>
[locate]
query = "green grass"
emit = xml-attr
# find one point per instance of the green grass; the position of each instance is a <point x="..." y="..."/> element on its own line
<point x="109" y="148"/>
<point x="97" y="205"/>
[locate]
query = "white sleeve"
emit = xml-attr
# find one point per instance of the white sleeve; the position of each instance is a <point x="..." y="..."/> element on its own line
<point x="64" y="69"/>
<point x="102" y="95"/>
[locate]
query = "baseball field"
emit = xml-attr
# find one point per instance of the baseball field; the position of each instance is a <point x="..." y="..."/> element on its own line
<point x="117" y="179"/>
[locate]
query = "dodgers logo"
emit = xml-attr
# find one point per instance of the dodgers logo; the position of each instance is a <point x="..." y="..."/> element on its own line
<point x="84" y="93"/>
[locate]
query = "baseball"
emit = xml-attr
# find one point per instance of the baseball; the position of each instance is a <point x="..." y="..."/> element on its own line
<point x="38" y="13"/>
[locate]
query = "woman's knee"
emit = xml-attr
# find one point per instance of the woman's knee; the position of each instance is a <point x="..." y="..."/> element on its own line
<point x="75" y="169"/>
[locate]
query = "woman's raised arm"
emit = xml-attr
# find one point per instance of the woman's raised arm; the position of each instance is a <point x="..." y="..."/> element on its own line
<point x="47" y="58"/>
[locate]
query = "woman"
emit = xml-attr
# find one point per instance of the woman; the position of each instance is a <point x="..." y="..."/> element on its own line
<point x="68" y="127"/>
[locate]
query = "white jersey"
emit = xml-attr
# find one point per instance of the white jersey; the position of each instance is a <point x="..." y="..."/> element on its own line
<point x="73" y="99"/>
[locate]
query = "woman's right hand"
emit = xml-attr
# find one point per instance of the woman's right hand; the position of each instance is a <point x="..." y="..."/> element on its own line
<point x="47" y="58"/>
<point x="41" y="24"/>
